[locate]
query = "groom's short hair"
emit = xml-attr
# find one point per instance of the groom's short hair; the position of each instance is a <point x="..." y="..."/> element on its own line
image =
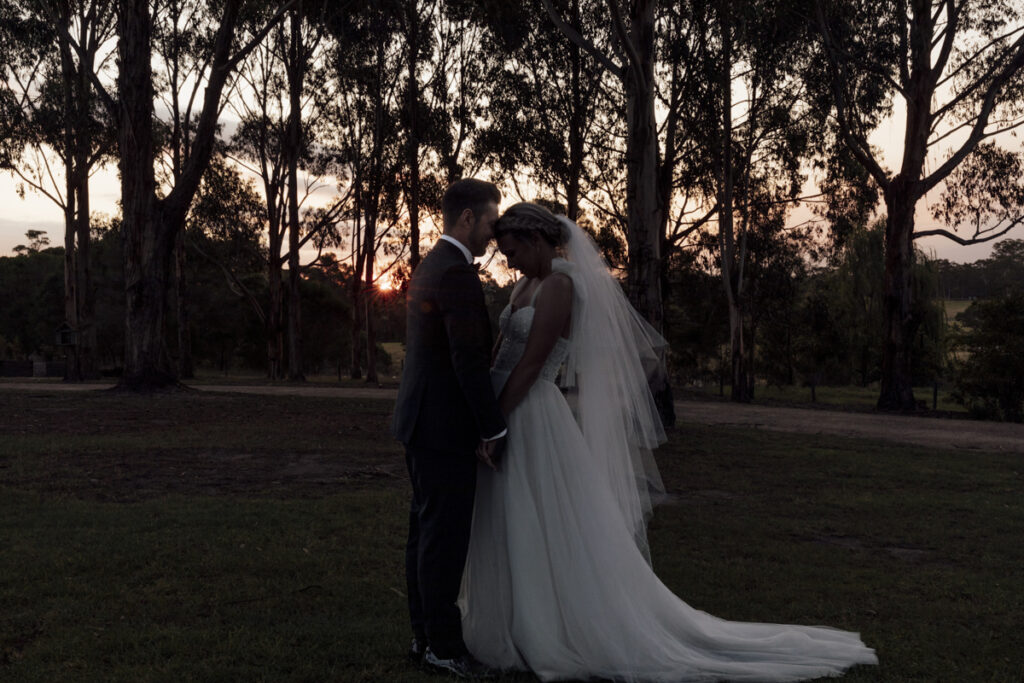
<point x="468" y="193"/>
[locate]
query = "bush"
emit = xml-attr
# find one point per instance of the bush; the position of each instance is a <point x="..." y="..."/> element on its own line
<point x="990" y="377"/>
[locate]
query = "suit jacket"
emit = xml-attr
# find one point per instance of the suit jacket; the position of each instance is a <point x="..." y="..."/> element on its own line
<point x="445" y="400"/>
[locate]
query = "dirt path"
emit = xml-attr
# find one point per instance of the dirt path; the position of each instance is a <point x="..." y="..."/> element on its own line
<point x="921" y="431"/>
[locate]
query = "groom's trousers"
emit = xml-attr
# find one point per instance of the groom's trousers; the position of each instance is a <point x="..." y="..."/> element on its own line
<point x="440" y="516"/>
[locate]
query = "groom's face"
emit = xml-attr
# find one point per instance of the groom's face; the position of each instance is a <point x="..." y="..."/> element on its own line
<point x="483" y="229"/>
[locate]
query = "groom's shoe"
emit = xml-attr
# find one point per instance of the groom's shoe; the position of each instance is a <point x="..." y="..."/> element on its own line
<point x="416" y="651"/>
<point x="464" y="666"/>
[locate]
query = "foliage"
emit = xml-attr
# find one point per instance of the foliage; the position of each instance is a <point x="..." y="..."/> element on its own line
<point x="839" y="338"/>
<point x="987" y="277"/>
<point x="990" y="375"/>
<point x="985" y="193"/>
<point x="551" y="113"/>
<point x="229" y="214"/>
<point x="32" y="284"/>
<point x="696" y="319"/>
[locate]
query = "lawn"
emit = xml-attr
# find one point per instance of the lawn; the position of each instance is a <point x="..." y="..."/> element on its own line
<point x="252" y="538"/>
<point x="954" y="307"/>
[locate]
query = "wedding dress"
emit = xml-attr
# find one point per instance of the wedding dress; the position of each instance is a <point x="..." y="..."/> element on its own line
<point x="555" y="581"/>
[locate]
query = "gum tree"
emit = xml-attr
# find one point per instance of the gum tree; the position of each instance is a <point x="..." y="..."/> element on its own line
<point x="955" y="69"/>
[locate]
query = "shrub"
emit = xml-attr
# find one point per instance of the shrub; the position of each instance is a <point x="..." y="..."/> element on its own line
<point x="990" y="375"/>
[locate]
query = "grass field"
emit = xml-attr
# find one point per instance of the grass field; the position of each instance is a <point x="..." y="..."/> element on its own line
<point x="955" y="306"/>
<point x="199" y="537"/>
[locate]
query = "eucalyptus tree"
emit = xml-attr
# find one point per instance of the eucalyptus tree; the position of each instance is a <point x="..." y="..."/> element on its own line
<point x="363" y="104"/>
<point x="278" y="86"/>
<point x="51" y="111"/>
<point x="304" y="56"/>
<point x="182" y="37"/>
<point x="631" y="59"/>
<point x="416" y="19"/>
<point x="258" y="146"/>
<point x="548" y="104"/>
<point x="685" y="170"/>
<point x="458" y="86"/>
<point x="955" y="70"/>
<point x="153" y="216"/>
<point x="756" y="139"/>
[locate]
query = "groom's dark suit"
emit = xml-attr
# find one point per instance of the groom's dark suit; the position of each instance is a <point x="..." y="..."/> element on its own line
<point x="445" y="407"/>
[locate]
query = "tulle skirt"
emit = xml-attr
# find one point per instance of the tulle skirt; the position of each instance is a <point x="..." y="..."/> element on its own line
<point x="555" y="583"/>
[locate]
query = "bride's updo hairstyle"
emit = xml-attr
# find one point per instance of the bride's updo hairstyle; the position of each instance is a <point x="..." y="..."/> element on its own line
<point x="526" y="218"/>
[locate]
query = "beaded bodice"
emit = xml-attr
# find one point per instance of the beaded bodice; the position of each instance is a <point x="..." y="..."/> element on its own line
<point x="515" y="330"/>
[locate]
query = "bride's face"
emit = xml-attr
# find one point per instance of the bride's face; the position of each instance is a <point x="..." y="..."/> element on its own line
<point x="521" y="254"/>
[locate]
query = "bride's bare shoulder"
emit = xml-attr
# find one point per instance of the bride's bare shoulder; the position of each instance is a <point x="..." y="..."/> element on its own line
<point x="556" y="289"/>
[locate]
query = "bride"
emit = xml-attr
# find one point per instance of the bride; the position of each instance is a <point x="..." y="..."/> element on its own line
<point x="558" y="579"/>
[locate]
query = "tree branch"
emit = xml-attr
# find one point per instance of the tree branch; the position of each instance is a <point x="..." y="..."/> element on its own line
<point x="573" y="35"/>
<point x="1010" y="69"/>
<point x="973" y="240"/>
<point x="232" y="278"/>
<point x="632" y="57"/>
<point x="952" y="20"/>
<point x="856" y="145"/>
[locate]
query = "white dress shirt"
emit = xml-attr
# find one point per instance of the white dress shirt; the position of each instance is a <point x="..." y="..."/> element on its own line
<point x="462" y="247"/>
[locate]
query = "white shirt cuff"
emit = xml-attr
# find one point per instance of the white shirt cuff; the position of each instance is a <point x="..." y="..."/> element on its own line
<point x="498" y="436"/>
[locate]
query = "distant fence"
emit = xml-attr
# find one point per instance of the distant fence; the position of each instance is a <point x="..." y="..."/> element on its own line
<point x="29" y="368"/>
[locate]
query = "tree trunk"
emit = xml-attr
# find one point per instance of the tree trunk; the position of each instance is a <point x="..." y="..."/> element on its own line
<point x="185" y="369"/>
<point x="897" y="391"/>
<point x="368" y="294"/>
<point x="86" y="338"/>
<point x="150" y="225"/>
<point x="72" y="295"/>
<point x="738" y="354"/>
<point x="643" y="205"/>
<point x="413" y="143"/>
<point x="274" y="325"/>
<point x="148" y="239"/>
<point x="576" y="133"/>
<point x="371" y="342"/>
<point x="295" y="372"/>
<point x="355" y="370"/>
<point x="147" y="275"/>
<point x="296" y="74"/>
<point x="726" y="224"/>
<point x="73" y="369"/>
<point x="751" y="369"/>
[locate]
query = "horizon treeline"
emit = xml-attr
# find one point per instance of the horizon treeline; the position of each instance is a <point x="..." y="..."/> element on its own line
<point x="680" y="134"/>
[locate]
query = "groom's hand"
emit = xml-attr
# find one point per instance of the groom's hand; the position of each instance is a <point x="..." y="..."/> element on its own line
<point x="490" y="452"/>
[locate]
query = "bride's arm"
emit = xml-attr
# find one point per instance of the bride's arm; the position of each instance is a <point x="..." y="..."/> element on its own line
<point x="550" y="318"/>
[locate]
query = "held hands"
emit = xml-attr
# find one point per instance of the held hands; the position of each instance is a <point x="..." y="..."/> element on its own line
<point x="490" y="452"/>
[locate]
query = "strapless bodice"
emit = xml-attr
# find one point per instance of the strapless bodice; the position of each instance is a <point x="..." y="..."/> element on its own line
<point x="515" y="330"/>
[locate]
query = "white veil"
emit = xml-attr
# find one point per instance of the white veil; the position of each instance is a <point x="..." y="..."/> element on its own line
<point x="612" y="353"/>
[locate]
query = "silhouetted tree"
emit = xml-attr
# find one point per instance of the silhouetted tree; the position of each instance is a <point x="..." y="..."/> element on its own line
<point x="152" y="220"/>
<point x="954" y="66"/>
<point x="54" y="53"/>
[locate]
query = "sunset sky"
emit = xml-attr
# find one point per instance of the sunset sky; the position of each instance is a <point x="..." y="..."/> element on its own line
<point x="36" y="212"/>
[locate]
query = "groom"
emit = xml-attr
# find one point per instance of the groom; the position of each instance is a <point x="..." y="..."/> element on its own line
<point x="445" y="413"/>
